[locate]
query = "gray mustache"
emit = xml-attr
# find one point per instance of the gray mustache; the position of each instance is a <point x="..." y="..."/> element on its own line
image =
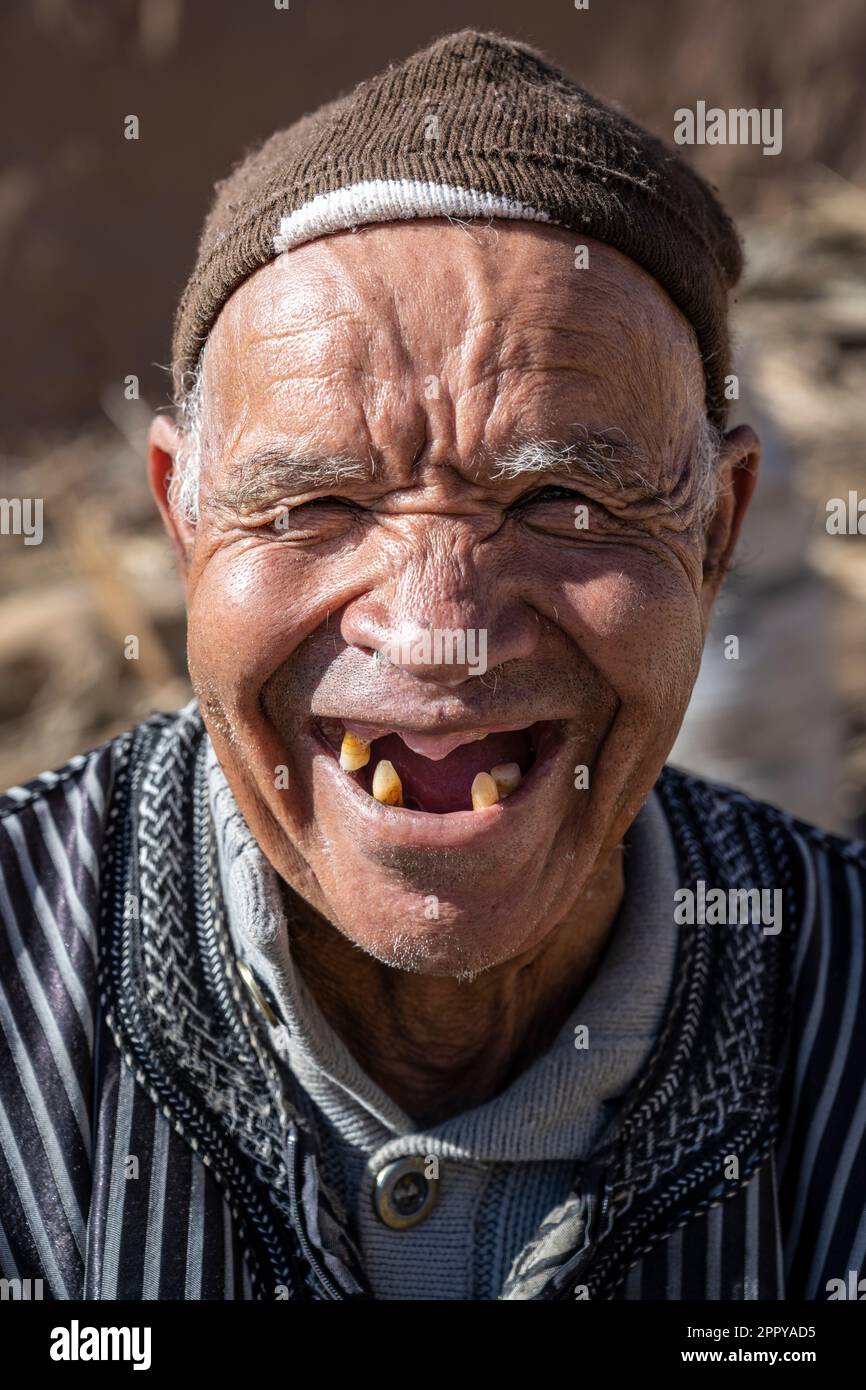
<point x="330" y="680"/>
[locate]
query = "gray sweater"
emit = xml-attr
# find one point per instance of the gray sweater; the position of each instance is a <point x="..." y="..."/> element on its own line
<point x="504" y="1165"/>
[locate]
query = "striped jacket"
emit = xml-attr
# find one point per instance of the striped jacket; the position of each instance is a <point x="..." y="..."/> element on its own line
<point x="151" y="1148"/>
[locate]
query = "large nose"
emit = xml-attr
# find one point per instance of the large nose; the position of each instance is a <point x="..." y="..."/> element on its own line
<point x="442" y="618"/>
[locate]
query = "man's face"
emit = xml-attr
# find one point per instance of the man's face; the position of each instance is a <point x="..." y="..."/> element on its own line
<point x="368" y="482"/>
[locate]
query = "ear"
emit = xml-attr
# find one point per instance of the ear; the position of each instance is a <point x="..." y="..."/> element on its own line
<point x="164" y="441"/>
<point x="738" y="462"/>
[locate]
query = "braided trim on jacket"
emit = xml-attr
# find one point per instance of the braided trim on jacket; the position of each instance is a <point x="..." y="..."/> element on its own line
<point x="711" y="1086"/>
<point x="210" y="1080"/>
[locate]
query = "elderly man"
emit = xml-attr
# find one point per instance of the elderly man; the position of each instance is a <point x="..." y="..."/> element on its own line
<point x="397" y="964"/>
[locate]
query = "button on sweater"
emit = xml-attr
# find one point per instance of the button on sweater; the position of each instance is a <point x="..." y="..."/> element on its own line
<point x="505" y="1165"/>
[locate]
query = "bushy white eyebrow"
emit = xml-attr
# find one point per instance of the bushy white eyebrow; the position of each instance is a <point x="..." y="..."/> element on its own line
<point x="273" y="469"/>
<point x="608" y="455"/>
<point x="611" y="459"/>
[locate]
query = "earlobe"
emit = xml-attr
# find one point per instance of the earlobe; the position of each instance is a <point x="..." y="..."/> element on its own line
<point x="738" y="465"/>
<point x="163" y="445"/>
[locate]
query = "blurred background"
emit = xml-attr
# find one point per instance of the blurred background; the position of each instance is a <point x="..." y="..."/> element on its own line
<point x="97" y="235"/>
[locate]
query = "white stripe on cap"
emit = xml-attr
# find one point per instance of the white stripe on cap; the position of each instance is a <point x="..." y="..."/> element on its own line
<point x="388" y="200"/>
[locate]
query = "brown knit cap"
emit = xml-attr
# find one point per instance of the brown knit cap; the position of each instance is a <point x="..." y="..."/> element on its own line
<point x="474" y="125"/>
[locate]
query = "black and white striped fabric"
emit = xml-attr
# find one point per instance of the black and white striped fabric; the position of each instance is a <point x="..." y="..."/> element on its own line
<point x="131" y="1068"/>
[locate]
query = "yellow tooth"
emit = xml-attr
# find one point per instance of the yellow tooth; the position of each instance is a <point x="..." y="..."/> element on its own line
<point x="387" y="786"/>
<point x="507" y="777"/>
<point x="354" y="753"/>
<point x="484" y="791"/>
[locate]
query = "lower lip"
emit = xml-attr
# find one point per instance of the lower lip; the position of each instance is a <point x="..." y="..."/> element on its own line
<point x="452" y="828"/>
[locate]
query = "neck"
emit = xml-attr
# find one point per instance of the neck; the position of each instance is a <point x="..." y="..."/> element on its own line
<point x="437" y="1045"/>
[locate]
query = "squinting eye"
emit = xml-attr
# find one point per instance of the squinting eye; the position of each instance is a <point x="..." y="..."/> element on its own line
<point x="293" y="516"/>
<point x="548" y="494"/>
<point x="327" y="502"/>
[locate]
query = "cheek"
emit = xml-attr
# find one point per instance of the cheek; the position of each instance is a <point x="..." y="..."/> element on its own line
<point x="639" y="623"/>
<point x="250" y="606"/>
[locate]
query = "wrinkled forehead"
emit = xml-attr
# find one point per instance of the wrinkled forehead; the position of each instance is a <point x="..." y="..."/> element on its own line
<point x="491" y="331"/>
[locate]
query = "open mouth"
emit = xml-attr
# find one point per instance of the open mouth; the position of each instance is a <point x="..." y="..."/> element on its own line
<point x="460" y="770"/>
